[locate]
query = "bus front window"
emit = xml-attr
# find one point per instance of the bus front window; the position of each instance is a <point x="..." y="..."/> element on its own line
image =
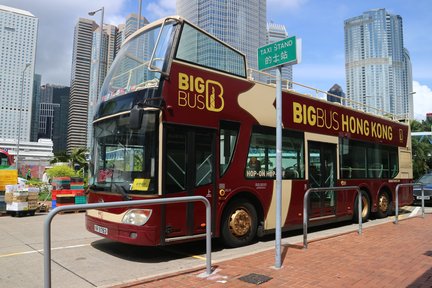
<point x="124" y="160"/>
<point x="130" y="70"/>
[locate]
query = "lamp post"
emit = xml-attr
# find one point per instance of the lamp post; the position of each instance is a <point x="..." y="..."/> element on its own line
<point x="139" y="15"/>
<point x="19" y="116"/>
<point x="100" y="47"/>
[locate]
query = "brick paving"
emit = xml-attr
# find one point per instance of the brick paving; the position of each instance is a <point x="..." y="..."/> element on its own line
<point x="386" y="255"/>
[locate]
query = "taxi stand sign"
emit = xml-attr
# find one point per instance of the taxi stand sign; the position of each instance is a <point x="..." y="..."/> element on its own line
<point x="284" y="52"/>
<point x="276" y="55"/>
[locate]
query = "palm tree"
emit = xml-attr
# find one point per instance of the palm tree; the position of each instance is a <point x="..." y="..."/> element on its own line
<point x="60" y="157"/>
<point x="78" y="156"/>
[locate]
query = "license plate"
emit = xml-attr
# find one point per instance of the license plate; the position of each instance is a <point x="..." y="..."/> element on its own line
<point x="425" y="197"/>
<point x="100" y="229"/>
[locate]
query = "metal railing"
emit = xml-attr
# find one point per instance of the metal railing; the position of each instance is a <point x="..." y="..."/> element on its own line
<point x="258" y="76"/>
<point x="325" y="189"/>
<point x="50" y="216"/>
<point x="397" y="198"/>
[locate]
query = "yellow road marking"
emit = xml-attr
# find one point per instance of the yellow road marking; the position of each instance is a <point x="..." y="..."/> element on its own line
<point x="41" y="250"/>
<point x="184" y="254"/>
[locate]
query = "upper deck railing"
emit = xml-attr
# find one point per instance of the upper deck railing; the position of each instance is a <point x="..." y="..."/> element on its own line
<point x="289" y="85"/>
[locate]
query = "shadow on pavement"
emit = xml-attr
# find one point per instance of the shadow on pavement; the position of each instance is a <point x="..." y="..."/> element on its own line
<point x="146" y="254"/>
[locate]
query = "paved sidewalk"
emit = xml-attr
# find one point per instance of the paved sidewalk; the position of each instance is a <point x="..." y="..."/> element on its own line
<point x="385" y="255"/>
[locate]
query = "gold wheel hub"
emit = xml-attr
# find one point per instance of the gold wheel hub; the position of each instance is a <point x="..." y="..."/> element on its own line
<point x="365" y="207"/>
<point x="383" y="203"/>
<point x="240" y="222"/>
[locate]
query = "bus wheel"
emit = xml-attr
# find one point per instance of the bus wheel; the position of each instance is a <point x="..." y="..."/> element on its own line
<point x="239" y="223"/>
<point x="365" y="213"/>
<point x="383" y="205"/>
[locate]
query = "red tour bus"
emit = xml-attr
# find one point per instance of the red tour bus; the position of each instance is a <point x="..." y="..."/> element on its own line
<point x="178" y="116"/>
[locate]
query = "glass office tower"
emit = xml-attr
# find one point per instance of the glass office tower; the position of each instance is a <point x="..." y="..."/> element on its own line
<point x="241" y="23"/>
<point x="18" y="39"/>
<point x="376" y="63"/>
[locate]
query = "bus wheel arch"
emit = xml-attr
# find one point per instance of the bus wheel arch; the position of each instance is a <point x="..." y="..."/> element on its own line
<point x="384" y="202"/>
<point x="366" y="205"/>
<point x="240" y="220"/>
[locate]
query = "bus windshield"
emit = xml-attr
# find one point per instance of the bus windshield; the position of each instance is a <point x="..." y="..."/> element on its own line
<point x="131" y="70"/>
<point x="124" y="160"/>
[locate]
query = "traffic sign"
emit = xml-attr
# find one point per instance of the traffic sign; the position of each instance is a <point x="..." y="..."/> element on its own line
<point x="287" y="51"/>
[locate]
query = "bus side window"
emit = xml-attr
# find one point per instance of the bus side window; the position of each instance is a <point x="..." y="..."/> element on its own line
<point x="227" y="142"/>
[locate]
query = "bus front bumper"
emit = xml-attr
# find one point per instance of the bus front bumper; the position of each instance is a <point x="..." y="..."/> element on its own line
<point x="145" y="235"/>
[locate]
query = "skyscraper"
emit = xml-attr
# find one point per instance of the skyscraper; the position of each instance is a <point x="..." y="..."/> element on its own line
<point x="98" y="73"/>
<point x="36" y="107"/>
<point x="18" y="37"/>
<point x="376" y="64"/>
<point x="60" y="96"/>
<point x="53" y="119"/>
<point x="408" y="101"/>
<point x="80" y="78"/>
<point x="88" y="76"/>
<point x="46" y="120"/>
<point x="241" y="23"/>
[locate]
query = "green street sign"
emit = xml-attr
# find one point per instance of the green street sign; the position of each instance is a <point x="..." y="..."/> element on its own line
<point x="279" y="53"/>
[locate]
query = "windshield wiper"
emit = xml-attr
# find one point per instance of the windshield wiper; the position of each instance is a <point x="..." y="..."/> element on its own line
<point x="122" y="191"/>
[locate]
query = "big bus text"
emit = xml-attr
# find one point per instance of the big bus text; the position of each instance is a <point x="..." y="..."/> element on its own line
<point x="178" y="116"/>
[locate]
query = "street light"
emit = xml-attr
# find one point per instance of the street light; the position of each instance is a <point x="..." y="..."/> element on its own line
<point x="19" y="116"/>
<point x="139" y="14"/>
<point x="100" y="47"/>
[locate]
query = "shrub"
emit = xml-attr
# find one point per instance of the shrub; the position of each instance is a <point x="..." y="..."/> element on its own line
<point x="61" y="171"/>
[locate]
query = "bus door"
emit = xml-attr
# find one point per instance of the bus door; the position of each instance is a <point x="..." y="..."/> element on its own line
<point x="322" y="173"/>
<point x="189" y="170"/>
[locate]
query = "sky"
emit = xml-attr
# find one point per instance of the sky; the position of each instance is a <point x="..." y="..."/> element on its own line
<point x="319" y="23"/>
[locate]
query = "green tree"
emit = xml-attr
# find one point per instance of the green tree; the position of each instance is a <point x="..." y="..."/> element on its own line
<point x="78" y="156"/>
<point x="60" y="157"/>
<point x="416" y="126"/>
<point x="421" y="151"/>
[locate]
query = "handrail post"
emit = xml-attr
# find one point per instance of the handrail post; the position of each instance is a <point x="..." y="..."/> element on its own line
<point x="208" y="236"/>
<point x="324" y="189"/>
<point x="360" y="204"/>
<point x="423" y="204"/>
<point x="133" y="203"/>
<point x="396" y="221"/>
<point x="305" y="217"/>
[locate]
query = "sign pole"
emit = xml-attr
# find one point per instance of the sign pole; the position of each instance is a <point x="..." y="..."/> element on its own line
<point x="276" y="55"/>
<point x="278" y="164"/>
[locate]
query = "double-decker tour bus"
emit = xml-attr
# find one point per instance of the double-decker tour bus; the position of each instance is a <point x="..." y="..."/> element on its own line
<point x="179" y="116"/>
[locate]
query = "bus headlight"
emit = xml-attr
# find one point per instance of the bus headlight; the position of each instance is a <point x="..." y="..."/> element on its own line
<point x="137" y="217"/>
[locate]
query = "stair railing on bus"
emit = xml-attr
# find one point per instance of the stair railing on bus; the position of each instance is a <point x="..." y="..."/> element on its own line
<point x="397" y="198"/>
<point x="270" y="79"/>
<point x="133" y="203"/>
<point x="325" y="189"/>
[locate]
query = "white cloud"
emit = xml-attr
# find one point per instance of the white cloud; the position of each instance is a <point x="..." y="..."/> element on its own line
<point x="422" y="100"/>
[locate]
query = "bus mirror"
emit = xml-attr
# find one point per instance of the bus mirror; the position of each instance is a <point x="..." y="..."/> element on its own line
<point x="135" y="117"/>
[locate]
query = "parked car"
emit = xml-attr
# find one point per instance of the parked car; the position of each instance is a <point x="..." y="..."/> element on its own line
<point x="427" y="190"/>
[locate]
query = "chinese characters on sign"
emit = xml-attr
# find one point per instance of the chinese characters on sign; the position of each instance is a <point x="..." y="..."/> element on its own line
<point x="278" y="53"/>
